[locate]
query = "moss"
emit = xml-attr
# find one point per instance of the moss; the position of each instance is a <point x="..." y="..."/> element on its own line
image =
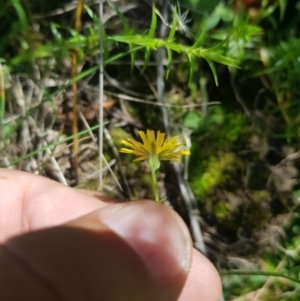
<point x="90" y="185"/>
<point x="212" y="153"/>
<point x="212" y="172"/>
<point x="218" y="175"/>
<point x="221" y="211"/>
<point x="118" y="134"/>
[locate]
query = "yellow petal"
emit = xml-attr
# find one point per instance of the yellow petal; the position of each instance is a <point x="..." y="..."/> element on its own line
<point x="151" y="137"/>
<point x="125" y="150"/>
<point x="136" y="145"/>
<point x="141" y="158"/>
<point x="146" y="143"/>
<point x="159" y="141"/>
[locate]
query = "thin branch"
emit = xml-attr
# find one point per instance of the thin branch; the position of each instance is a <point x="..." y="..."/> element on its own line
<point x="101" y="95"/>
<point x="160" y="57"/>
<point x="158" y="104"/>
<point x="74" y="61"/>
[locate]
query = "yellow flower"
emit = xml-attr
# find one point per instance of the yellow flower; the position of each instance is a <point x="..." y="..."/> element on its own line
<point x="154" y="149"/>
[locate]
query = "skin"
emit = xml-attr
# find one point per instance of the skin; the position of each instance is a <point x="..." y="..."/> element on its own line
<point x="62" y="244"/>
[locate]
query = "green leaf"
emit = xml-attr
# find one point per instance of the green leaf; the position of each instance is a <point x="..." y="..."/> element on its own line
<point x="282" y="6"/>
<point x="127" y="29"/>
<point x="20" y="12"/>
<point x="89" y="12"/>
<point x="200" y="40"/>
<point x="153" y="23"/>
<point x="55" y="32"/>
<point x="192" y="120"/>
<point x="213" y="70"/>
<point x="170" y="56"/>
<point x="132" y="57"/>
<point x="218" y="46"/>
<point x="192" y="67"/>
<point x="146" y="59"/>
<point x="121" y="55"/>
<point x="173" y="26"/>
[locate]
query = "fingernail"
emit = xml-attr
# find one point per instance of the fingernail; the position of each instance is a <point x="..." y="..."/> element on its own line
<point x="155" y="232"/>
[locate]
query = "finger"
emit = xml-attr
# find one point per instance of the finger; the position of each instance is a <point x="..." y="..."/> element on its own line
<point x="145" y="256"/>
<point x="29" y="202"/>
<point x="203" y="282"/>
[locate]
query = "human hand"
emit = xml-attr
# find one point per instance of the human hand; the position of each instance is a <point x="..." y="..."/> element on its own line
<point x="61" y="244"/>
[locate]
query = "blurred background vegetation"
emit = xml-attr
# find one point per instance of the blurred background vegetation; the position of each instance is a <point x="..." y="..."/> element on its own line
<point x="227" y="82"/>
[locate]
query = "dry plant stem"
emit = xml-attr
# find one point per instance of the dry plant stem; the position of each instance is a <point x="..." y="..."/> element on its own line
<point x="50" y="154"/>
<point x="204" y="95"/>
<point x="77" y="26"/>
<point x="238" y="96"/>
<point x="152" y="103"/>
<point x="101" y="100"/>
<point x="116" y="154"/>
<point x="74" y="119"/>
<point x="73" y="5"/>
<point x="2" y="107"/>
<point x="160" y="58"/>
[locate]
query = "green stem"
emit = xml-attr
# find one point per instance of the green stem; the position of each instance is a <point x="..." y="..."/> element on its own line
<point x="258" y="273"/>
<point x="154" y="185"/>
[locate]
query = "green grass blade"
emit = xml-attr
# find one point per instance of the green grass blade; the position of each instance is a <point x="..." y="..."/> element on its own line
<point x="122" y="54"/>
<point x="170" y="56"/>
<point x="200" y="39"/>
<point x="258" y="273"/>
<point x="153" y="23"/>
<point x="192" y="67"/>
<point x="20" y="12"/>
<point x="213" y="70"/>
<point x="127" y="29"/>
<point x="132" y="57"/>
<point x="146" y="59"/>
<point x="173" y="26"/>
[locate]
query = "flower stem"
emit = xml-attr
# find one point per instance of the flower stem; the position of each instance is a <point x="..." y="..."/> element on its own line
<point x="154" y="185"/>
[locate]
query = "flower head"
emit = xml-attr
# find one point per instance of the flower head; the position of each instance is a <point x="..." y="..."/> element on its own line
<point x="154" y="149"/>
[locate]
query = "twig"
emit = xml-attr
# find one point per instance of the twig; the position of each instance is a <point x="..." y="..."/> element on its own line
<point x="101" y="95"/>
<point x="69" y="7"/>
<point x="158" y="104"/>
<point x="117" y="156"/>
<point x="2" y="109"/>
<point x="238" y="96"/>
<point x="50" y="154"/>
<point x="77" y="26"/>
<point x="160" y="57"/>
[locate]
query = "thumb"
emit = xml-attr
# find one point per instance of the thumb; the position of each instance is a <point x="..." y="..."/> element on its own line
<point x="134" y="251"/>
